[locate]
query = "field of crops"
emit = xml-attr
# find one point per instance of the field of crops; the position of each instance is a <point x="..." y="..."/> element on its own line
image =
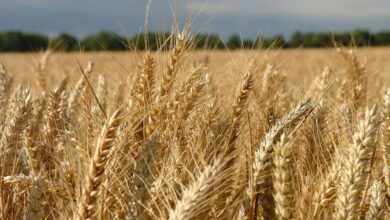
<point x="267" y="134"/>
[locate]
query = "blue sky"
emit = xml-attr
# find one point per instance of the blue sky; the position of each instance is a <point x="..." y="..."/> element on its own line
<point x="247" y="17"/>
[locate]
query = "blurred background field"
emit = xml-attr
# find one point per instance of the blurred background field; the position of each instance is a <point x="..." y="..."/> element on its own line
<point x="299" y="65"/>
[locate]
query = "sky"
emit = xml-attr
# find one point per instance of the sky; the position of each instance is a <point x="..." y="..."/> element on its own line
<point x="224" y="17"/>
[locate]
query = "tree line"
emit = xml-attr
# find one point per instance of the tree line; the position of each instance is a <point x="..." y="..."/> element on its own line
<point x="16" y="41"/>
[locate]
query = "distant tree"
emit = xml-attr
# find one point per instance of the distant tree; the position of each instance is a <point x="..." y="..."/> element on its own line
<point x="361" y="37"/>
<point x="320" y="39"/>
<point x="35" y="42"/>
<point x="151" y="41"/>
<point x="297" y="39"/>
<point x="65" y="42"/>
<point x="258" y="42"/>
<point x="234" y="42"/>
<point x="310" y="40"/>
<point x="12" y="41"/>
<point x="381" y="38"/>
<point x="104" y="41"/>
<point x="20" y="42"/>
<point x="207" y="41"/>
<point x="343" y="38"/>
<point x="277" y="41"/>
<point x="248" y="44"/>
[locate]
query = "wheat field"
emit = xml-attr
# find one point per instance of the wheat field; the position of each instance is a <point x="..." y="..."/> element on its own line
<point x="184" y="134"/>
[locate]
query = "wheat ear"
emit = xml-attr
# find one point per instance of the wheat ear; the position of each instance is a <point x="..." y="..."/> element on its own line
<point x="172" y="68"/>
<point x="385" y="141"/>
<point x="355" y="169"/>
<point x="41" y="68"/>
<point x="239" y="106"/>
<point x="167" y="82"/>
<point x="283" y="179"/>
<point x="263" y="159"/>
<point x="262" y="156"/>
<point x="197" y="197"/>
<point x="5" y="89"/>
<point x="377" y="203"/>
<point x="87" y="207"/>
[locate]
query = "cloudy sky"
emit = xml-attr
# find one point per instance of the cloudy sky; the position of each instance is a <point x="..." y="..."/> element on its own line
<point x="248" y="17"/>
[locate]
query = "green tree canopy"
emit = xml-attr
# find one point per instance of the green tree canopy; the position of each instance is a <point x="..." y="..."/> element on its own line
<point x="151" y="41"/>
<point x="361" y="37"/>
<point x="234" y="42"/>
<point x="381" y="38"/>
<point x="66" y="42"/>
<point x="104" y="41"/>
<point x="208" y="41"/>
<point x="21" y="42"/>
